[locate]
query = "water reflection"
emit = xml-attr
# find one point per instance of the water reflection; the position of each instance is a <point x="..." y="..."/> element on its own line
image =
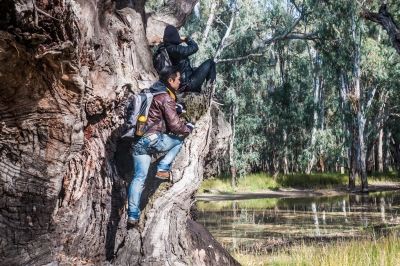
<point x="268" y="222"/>
<point x="315" y="216"/>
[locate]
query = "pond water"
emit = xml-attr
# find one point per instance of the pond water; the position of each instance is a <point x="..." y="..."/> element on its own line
<point x="256" y="225"/>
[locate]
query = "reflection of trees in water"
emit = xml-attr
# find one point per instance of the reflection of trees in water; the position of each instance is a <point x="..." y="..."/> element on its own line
<point x="247" y="216"/>
<point x="240" y="224"/>
<point x="382" y="207"/>
<point x="344" y="211"/>
<point x="234" y="232"/>
<point x="315" y="217"/>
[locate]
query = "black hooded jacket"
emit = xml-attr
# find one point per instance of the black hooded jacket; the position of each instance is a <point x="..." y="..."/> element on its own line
<point x="179" y="54"/>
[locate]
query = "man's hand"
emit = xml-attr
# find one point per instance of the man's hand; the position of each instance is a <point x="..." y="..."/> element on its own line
<point x="190" y="125"/>
<point x="180" y="108"/>
<point x="184" y="39"/>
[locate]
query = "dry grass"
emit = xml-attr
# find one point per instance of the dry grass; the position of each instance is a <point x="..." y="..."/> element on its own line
<point x="383" y="251"/>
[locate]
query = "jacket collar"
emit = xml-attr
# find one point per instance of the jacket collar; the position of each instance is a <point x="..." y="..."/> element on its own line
<point x="171" y="94"/>
<point x="160" y="87"/>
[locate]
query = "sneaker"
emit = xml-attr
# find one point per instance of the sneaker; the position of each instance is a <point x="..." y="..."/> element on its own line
<point x="132" y="222"/>
<point x="165" y="175"/>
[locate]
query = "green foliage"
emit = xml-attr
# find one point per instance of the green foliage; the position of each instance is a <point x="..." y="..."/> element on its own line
<point x="269" y="99"/>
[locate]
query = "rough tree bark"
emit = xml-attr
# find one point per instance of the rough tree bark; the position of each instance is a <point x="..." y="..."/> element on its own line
<point x="67" y="69"/>
<point x="218" y="159"/>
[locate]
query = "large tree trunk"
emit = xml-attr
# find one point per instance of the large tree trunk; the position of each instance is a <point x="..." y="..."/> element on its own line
<point x="218" y="158"/>
<point x="64" y="70"/>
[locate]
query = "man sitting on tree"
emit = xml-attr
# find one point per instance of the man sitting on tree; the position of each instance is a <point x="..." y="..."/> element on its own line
<point x="165" y="132"/>
<point x="179" y="49"/>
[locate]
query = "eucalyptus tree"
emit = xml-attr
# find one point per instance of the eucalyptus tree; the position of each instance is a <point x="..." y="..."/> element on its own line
<point x="249" y="40"/>
<point x="356" y="56"/>
<point x="307" y="86"/>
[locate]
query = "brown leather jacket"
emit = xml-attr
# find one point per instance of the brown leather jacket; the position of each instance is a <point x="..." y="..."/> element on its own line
<point x="162" y="117"/>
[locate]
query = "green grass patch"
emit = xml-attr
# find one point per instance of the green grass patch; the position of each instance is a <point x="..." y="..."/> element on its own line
<point x="384" y="177"/>
<point x="255" y="181"/>
<point x="249" y="183"/>
<point x="253" y="204"/>
<point x="382" y="251"/>
<point x="262" y="181"/>
<point x="221" y="184"/>
<point x="320" y="180"/>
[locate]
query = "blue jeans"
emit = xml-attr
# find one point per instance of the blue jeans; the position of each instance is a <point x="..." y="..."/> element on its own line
<point x="142" y="151"/>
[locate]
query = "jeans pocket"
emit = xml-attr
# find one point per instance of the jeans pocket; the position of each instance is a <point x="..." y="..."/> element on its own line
<point x="153" y="141"/>
<point x="158" y="145"/>
<point x="141" y="147"/>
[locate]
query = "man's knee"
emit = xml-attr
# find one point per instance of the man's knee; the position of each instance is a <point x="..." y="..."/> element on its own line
<point x="176" y="140"/>
<point x="210" y="62"/>
<point x="179" y="142"/>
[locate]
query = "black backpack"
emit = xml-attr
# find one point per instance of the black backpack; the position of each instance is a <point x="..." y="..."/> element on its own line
<point x="161" y="58"/>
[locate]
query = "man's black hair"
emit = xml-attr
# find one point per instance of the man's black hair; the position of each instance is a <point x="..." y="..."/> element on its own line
<point x="167" y="73"/>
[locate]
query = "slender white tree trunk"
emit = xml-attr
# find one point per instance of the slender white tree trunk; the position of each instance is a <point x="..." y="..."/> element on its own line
<point x="380" y="151"/>
<point x="285" y="154"/>
<point x="232" y="162"/>
<point x="345" y="92"/>
<point x="358" y="109"/>
<point x="314" y="55"/>
<point x="210" y="21"/>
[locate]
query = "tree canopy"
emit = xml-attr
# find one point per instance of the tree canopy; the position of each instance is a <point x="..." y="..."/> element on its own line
<point x="307" y="85"/>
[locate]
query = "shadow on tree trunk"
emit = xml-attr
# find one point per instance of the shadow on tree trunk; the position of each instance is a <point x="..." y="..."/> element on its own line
<point x="123" y="160"/>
